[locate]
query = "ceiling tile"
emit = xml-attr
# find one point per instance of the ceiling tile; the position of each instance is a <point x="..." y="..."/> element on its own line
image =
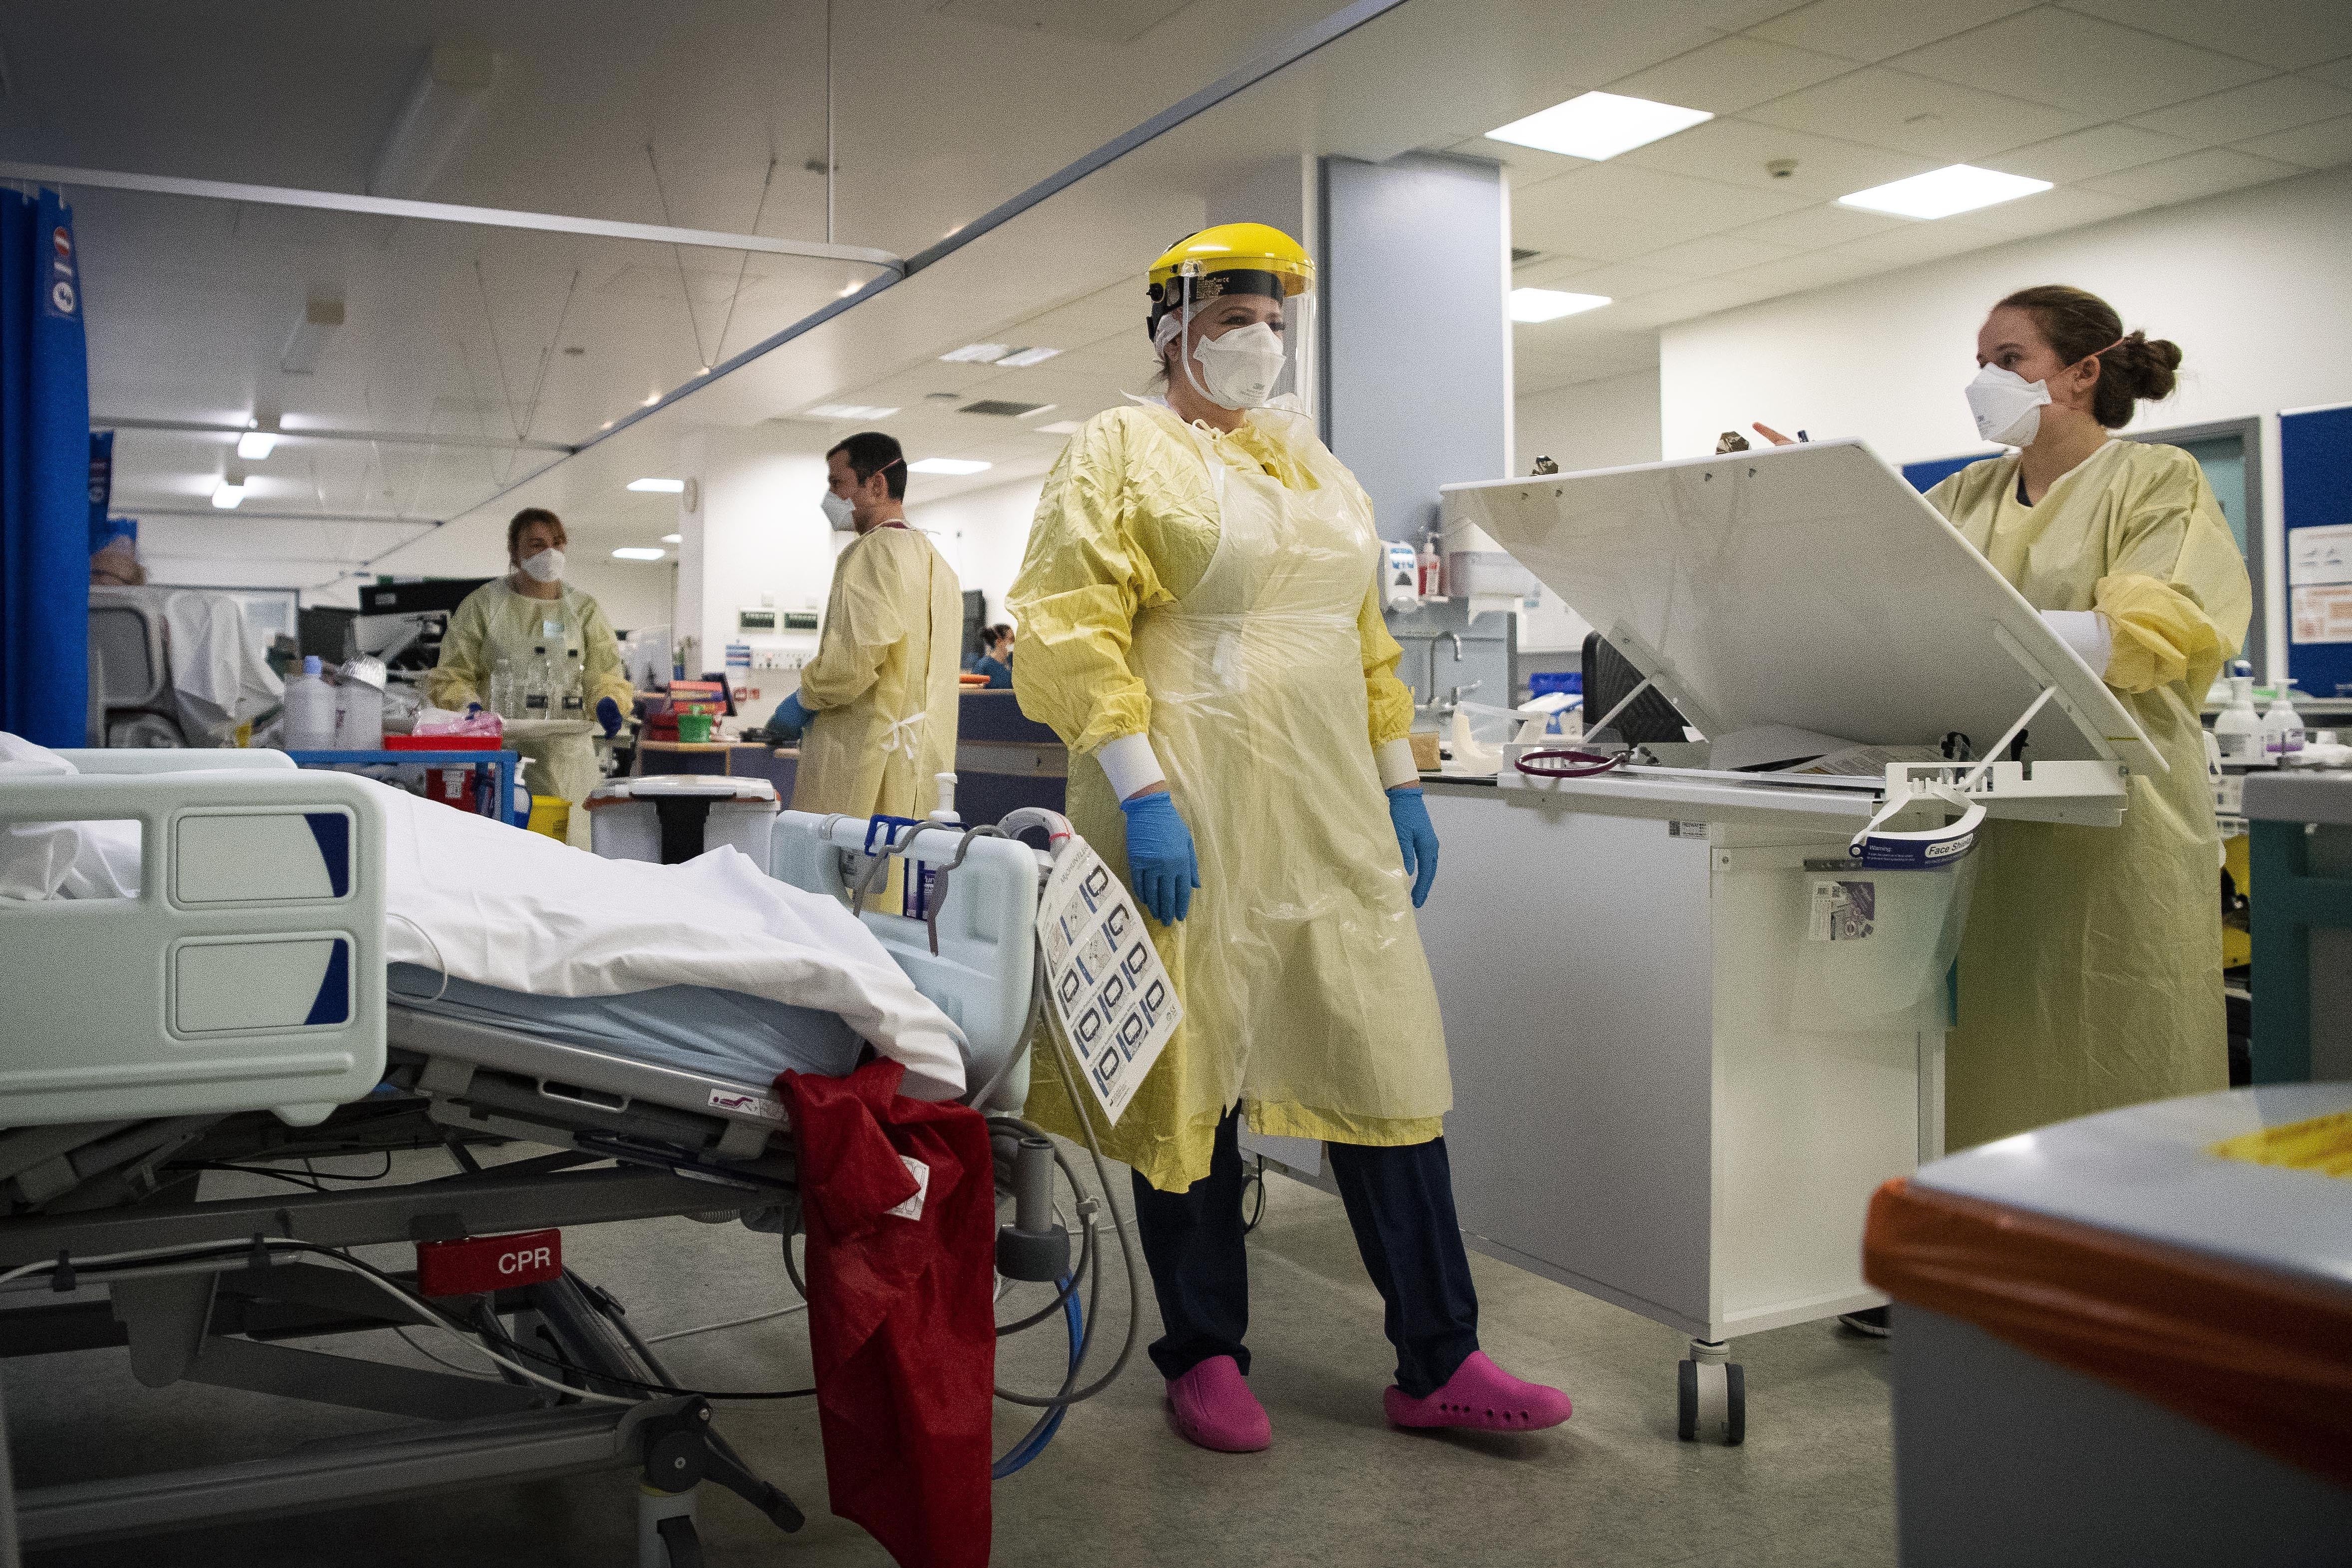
<point x="2320" y="146"/>
<point x="1553" y="272"/>
<point x="1527" y="164"/>
<point x="2197" y="174"/>
<point x="2101" y="150"/>
<point x="1714" y="254"/>
<point x="1917" y="242"/>
<point x="1731" y="74"/>
<point x="2289" y="34"/>
<point x="1874" y="30"/>
<point x="1701" y="296"/>
<point x="2076" y="62"/>
<point x="1627" y="280"/>
<point x="1908" y="114"/>
<point x="2258" y="109"/>
<point x="1811" y="228"/>
<point x="1817" y="269"/>
<point x="2339" y="71"/>
<point x="2068" y="206"/>
<point x="1737" y="150"/>
<point x="1616" y="211"/>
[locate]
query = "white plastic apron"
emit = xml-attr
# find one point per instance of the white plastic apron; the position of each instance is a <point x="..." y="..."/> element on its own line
<point x="1305" y="991"/>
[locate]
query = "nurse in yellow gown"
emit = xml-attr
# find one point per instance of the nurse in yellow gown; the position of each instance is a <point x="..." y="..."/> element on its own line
<point x="513" y="618"/>
<point x="2090" y="976"/>
<point x="1199" y="621"/>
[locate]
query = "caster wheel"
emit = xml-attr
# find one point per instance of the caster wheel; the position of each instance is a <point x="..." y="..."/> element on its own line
<point x="1711" y="1403"/>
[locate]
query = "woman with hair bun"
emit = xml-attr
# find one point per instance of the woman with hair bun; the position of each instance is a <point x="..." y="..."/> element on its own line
<point x="2091" y="976"/>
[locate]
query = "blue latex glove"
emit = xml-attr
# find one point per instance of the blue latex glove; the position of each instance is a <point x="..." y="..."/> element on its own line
<point x="1416" y="839"/>
<point x="790" y="718"/>
<point x="608" y="713"/>
<point x="1160" y="862"/>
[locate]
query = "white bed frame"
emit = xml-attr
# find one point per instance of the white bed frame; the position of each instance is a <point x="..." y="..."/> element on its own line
<point x="212" y="1017"/>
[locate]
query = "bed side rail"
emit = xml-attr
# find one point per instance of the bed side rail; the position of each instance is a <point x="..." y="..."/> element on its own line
<point x="246" y="974"/>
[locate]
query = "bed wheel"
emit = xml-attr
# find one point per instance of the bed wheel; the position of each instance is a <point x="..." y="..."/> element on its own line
<point x="1686" y="1401"/>
<point x="678" y="1539"/>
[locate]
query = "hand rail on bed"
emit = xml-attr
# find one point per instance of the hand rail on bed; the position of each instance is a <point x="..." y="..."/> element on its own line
<point x="246" y="974"/>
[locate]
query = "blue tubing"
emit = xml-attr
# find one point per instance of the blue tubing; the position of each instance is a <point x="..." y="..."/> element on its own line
<point x="1034" y="1442"/>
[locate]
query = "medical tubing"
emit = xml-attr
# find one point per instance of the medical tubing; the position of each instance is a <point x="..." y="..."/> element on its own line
<point x="1125" y="1246"/>
<point x="1037" y="982"/>
<point x="1085" y="1232"/>
<point x="729" y="1324"/>
<point x="1033" y="1442"/>
<point x="439" y="961"/>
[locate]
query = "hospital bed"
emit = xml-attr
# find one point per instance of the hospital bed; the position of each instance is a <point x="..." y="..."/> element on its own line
<point x="238" y="1011"/>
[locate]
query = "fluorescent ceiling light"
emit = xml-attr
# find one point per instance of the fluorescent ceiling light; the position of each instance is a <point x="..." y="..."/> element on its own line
<point x="255" y="445"/>
<point x="948" y="466"/>
<point x="1940" y="192"/>
<point x="228" y="497"/>
<point x="307" y="341"/>
<point x="638" y="553"/>
<point x="1551" y="304"/>
<point x="658" y="487"/>
<point x="846" y="411"/>
<point x="1022" y="359"/>
<point x="1058" y="427"/>
<point x="1599" y="125"/>
<point x="978" y="353"/>
<point x="673" y="538"/>
<point x="443" y="104"/>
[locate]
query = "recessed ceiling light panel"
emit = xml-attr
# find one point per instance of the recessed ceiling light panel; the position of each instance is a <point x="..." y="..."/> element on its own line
<point x="1022" y="359"/>
<point x="846" y="411"/>
<point x="1058" y="427"/>
<point x="1599" y="125"/>
<point x="1551" y="304"/>
<point x="948" y="466"/>
<point x="255" y="445"/>
<point x="978" y="353"/>
<point x="1940" y="192"/>
<point x="658" y="487"/>
<point x="638" y="553"/>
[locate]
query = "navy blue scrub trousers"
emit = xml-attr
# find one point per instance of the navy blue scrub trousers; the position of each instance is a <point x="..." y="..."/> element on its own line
<point x="1399" y="1202"/>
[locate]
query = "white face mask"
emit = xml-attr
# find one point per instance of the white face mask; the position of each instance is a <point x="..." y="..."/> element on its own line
<point x="544" y="567"/>
<point x="1239" y="370"/>
<point x="839" y="512"/>
<point x="2007" y="406"/>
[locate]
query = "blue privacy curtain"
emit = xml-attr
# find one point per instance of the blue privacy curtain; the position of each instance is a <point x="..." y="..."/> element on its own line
<point x="44" y="462"/>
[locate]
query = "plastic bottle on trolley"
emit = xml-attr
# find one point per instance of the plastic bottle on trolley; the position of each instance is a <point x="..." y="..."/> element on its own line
<point x="537" y="687"/>
<point x="309" y="708"/>
<point x="2238" y="728"/>
<point x="574" y="678"/>
<point x="501" y="695"/>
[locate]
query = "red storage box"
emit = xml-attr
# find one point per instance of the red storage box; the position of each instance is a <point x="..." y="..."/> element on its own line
<point x="451" y="786"/>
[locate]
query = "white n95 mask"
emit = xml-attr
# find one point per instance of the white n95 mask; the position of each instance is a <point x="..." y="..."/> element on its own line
<point x="2007" y="406"/>
<point x="544" y="567"/>
<point x="838" y="512"/>
<point x="1239" y="370"/>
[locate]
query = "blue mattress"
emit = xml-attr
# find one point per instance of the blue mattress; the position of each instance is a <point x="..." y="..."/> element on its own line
<point x="728" y="1034"/>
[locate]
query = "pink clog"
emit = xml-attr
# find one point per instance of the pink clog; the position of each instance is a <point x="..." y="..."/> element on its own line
<point x="1482" y="1397"/>
<point x="1212" y="1407"/>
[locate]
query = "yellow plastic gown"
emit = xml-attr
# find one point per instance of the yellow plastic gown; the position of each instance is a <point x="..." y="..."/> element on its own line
<point x="494" y="621"/>
<point x="882" y="688"/>
<point x="2090" y="974"/>
<point x="1220" y="593"/>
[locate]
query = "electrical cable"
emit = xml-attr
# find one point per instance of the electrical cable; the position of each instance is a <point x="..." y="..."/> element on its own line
<point x="731" y="1323"/>
<point x="1255" y="1179"/>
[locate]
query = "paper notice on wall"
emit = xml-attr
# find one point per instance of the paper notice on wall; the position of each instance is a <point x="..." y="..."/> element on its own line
<point x="2316" y="555"/>
<point x="2323" y="612"/>
<point x="1108" y="988"/>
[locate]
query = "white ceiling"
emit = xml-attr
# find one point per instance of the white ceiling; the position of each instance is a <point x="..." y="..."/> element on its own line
<point x="947" y="107"/>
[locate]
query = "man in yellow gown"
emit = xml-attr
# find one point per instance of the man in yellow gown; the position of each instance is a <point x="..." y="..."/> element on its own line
<point x="875" y="711"/>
